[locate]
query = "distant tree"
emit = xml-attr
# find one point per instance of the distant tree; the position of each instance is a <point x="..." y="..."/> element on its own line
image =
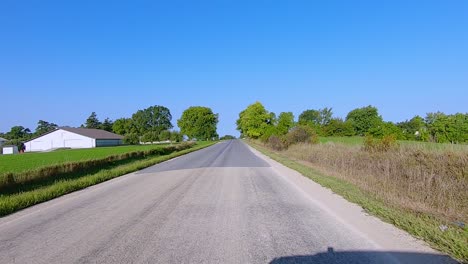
<point x="107" y="125"/>
<point x="386" y="129"/>
<point x="285" y="122"/>
<point x="313" y="117"/>
<point x="444" y="128"/>
<point x="124" y="126"/>
<point x="176" y="136"/>
<point x="164" y="135"/>
<point x="154" y="118"/>
<point x="337" y="127"/>
<point x="254" y="121"/>
<point x="131" y="139"/>
<point x="92" y="121"/>
<point x="309" y="117"/>
<point x="198" y="122"/>
<point x="364" y="119"/>
<point x="414" y="129"/>
<point x="150" y="136"/>
<point x="227" y="137"/>
<point x="44" y="127"/>
<point x="18" y="132"/>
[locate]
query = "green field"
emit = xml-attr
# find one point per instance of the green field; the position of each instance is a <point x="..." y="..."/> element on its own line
<point x="29" y="161"/>
<point x="66" y="171"/>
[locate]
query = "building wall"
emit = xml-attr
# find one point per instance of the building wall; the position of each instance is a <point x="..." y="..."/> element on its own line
<point x="10" y="150"/>
<point x="59" y="139"/>
<point x="108" y="142"/>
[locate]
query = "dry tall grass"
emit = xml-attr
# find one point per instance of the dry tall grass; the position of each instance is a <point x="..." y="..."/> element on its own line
<point x="410" y="177"/>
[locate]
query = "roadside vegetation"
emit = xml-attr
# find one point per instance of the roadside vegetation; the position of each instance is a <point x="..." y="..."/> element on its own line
<point x="149" y="125"/>
<point x="417" y="185"/>
<point x="27" y="188"/>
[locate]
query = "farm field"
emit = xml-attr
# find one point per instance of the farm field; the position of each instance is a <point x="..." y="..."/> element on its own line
<point x="29" y="161"/>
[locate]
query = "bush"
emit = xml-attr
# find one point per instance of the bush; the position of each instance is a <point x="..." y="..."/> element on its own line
<point x="276" y="143"/>
<point x="131" y="139"/>
<point x="386" y="143"/>
<point x="164" y="135"/>
<point x="301" y="134"/>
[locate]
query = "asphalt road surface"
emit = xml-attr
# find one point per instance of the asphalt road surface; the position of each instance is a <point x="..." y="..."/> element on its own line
<point x="223" y="204"/>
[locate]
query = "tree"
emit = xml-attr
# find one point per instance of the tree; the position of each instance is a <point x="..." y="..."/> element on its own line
<point x="414" y="129"/>
<point x="285" y="122"/>
<point x="364" y="119"/>
<point x="386" y="129"/>
<point x="107" y="125"/>
<point x="444" y="128"/>
<point x="18" y="132"/>
<point x="154" y="118"/>
<point x="313" y="117"/>
<point x="198" y="122"/>
<point x="227" y="137"/>
<point x="164" y="135"/>
<point x="44" y="127"/>
<point x="337" y="127"/>
<point x="176" y="136"/>
<point x="254" y="121"/>
<point x="92" y="121"/>
<point x="124" y="126"/>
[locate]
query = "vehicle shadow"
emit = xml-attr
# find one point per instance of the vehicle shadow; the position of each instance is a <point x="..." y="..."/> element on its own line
<point x="331" y="256"/>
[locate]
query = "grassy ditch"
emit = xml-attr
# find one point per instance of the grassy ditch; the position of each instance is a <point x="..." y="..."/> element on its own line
<point x="25" y="193"/>
<point x="34" y="160"/>
<point x="419" y="220"/>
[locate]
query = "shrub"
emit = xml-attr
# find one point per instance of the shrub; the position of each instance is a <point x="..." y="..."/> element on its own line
<point x="276" y="143"/>
<point x="386" y="143"/>
<point x="131" y="139"/>
<point x="301" y="134"/>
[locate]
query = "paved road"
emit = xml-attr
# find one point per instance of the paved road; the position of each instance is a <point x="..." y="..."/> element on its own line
<point x="223" y="204"/>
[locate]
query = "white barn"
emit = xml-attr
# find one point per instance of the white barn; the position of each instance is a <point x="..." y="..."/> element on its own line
<point x="68" y="137"/>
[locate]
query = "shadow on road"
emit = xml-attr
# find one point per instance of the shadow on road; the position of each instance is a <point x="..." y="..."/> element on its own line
<point x="332" y="256"/>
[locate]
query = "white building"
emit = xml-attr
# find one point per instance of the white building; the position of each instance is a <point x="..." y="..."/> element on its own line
<point x="68" y="137"/>
<point x="10" y="149"/>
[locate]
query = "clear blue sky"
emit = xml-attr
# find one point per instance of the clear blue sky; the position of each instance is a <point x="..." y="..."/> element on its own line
<point x="61" y="60"/>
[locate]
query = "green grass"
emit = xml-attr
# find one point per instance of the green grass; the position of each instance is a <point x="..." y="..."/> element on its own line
<point x="28" y="161"/>
<point x="31" y="194"/>
<point x="343" y="140"/>
<point x="454" y="241"/>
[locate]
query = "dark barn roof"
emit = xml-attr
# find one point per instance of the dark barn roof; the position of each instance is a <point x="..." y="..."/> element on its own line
<point x="92" y="133"/>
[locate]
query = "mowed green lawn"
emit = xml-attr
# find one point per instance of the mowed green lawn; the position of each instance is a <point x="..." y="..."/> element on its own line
<point x="29" y="161"/>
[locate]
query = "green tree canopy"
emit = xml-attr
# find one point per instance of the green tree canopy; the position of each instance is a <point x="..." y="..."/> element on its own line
<point x="44" y="127"/>
<point x="364" y="119"/>
<point x="92" y="121"/>
<point x="123" y="126"/>
<point x="444" y="128"/>
<point x="152" y="119"/>
<point x="18" y="132"/>
<point x="254" y="121"/>
<point x="319" y="117"/>
<point x="198" y="122"/>
<point x="285" y="122"/>
<point x="107" y="125"/>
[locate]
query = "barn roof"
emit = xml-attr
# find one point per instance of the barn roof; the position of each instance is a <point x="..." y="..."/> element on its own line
<point x="92" y="133"/>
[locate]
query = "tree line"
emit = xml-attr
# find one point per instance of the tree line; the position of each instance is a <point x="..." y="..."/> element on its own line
<point x="257" y="122"/>
<point x="146" y="125"/>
